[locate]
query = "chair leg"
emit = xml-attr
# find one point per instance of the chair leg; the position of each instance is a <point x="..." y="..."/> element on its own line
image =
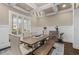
<point x="54" y="48"/>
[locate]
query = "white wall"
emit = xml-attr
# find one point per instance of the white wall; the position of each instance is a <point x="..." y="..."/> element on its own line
<point x="4" y="12"/>
<point x="4" y="29"/>
<point x="67" y="30"/>
<point x="4" y="37"/>
<point x="60" y="19"/>
<point x="76" y="29"/>
<point x="68" y="33"/>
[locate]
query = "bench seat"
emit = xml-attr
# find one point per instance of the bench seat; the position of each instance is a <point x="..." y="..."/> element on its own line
<point x="45" y="49"/>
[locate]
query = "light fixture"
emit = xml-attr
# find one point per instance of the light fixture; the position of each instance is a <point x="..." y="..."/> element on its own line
<point x="64" y="5"/>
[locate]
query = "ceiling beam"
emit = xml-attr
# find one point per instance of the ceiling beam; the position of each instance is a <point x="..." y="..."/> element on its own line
<point x="13" y="5"/>
<point x="18" y="8"/>
<point x="45" y="7"/>
<point x="32" y="5"/>
<point x="50" y="14"/>
<point x="54" y="7"/>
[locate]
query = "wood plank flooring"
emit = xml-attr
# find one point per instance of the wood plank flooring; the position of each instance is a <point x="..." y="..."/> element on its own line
<point x="66" y="49"/>
<point x="69" y="50"/>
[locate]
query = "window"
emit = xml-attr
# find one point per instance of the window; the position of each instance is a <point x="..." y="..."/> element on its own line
<point x="19" y="24"/>
<point x="27" y="25"/>
<point x="14" y="24"/>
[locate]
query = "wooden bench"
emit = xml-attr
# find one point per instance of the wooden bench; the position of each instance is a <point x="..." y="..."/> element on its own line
<point x="45" y="49"/>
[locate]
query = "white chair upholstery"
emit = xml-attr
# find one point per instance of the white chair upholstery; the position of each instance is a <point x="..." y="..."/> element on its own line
<point x="17" y="48"/>
<point x="14" y="42"/>
<point x="25" y="49"/>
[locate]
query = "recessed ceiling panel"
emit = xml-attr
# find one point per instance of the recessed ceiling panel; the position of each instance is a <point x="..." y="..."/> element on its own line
<point x="49" y="10"/>
<point x="24" y="6"/>
<point x="64" y="6"/>
<point x="40" y="4"/>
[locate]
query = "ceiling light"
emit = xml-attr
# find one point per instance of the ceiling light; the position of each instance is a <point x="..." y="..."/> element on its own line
<point x="63" y="5"/>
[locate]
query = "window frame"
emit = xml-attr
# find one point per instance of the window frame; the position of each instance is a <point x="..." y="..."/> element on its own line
<point x="11" y="13"/>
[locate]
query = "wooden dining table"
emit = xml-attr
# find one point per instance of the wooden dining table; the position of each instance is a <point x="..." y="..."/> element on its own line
<point x="33" y="40"/>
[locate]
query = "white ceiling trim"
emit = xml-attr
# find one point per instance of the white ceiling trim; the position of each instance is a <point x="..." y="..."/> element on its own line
<point x="50" y="14"/>
<point x="18" y="8"/>
<point x="13" y="5"/>
<point x="32" y="5"/>
<point x="45" y="7"/>
<point x="54" y="7"/>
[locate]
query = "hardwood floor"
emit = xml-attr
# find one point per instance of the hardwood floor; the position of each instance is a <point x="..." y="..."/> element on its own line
<point x="61" y="49"/>
<point x="69" y="50"/>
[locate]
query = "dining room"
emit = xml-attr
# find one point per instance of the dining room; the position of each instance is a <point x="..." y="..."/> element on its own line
<point x="36" y="28"/>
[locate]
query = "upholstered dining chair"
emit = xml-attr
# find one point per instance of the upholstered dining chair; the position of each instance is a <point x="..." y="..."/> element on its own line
<point x="18" y="48"/>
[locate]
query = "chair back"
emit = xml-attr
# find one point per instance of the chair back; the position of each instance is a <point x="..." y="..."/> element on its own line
<point x="15" y="44"/>
<point x="53" y="34"/>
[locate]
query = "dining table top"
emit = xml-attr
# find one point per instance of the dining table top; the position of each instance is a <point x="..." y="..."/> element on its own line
<point x="33" y="40"/>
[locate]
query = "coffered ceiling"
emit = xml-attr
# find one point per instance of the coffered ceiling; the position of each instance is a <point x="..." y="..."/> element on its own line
<point x="64" y="6"/>
<point x="24" y="6"/>
<point x="48" y="10"/>
<point x="43" y="9"/>
<point x="40" y="4"/>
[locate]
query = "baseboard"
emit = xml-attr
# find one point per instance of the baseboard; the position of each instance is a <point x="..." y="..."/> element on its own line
<point x="5" y="48"/>
<point x="68" y="42"/>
